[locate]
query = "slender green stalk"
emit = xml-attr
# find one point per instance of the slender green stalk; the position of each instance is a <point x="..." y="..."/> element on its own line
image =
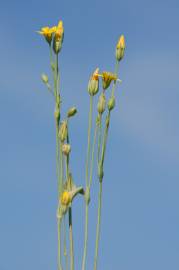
<point x="71" y="239"/>
<point x="65" y="245"/>
<point x="59" y="244"/>
<point x="105" y="137"/>
<point x="115" y="72"/>
<point x="87" y="183"/>
<point x="98" y="225"/>
<point x="99" y="137"/>
<point x="89" y="137"/>
<point x="92" y="155"/>
<point x="61" y="170"/>
<point x="101" y="163"/>
<point x="86" y="237"/>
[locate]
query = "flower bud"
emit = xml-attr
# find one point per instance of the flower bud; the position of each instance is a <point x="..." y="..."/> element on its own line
<point x="101" y="103"/>
<point x="120" y="48"/>
<point x="63" y="130"/>
<point x="66" y="148"/>
<point x="111" y="103"/>
<point x="72" y="111"/>
<point x="93" y="85"/>
<point x="107" y="78"/>
<point x="58" y="37"/>
<point x="65" y="198"/>
<point x="44" y="78"/>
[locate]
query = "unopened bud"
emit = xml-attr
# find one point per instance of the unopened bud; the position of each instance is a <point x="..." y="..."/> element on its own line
<point x="66" y="148"/>
<point x="111" y="103"/>
<point x="93" y="85"/>
<point x="58" y="37"/>
<point x="108" y="77"/>
<point x="72" y="112"/>
<point x="44" y="78"/>
<point x="120" y="48"/>
<point x="63" y="130"/>
<point x="101" y="103"/>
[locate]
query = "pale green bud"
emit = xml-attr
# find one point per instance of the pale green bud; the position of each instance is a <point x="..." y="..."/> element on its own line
<point x="93" y="85"/>
<point x="72" y="111"/>
<point x="101" y="103"/>
<point x="44" y="78"/>
<point x="111" y="103"/>
<point x="63" y="130"/>
<point x="120" y="48"/>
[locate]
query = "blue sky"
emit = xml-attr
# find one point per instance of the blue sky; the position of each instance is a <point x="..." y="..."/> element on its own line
<point x="140" y="217"/>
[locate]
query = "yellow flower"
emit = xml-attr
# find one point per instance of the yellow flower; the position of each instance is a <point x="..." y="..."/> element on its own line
<point x="65" y="198"/>
<point x="107" y="78"/>
<point x="121" y="42"/>
<point x="58" y="37"/>
<point x="47" y="32"/>
<point x="59" y="31"/>
<point x="120" y="48"/>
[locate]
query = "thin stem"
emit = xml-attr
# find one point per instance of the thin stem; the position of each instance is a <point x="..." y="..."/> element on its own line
<point x="105" y="137"/>
<point x="115" y="72"/>
<point x="87" y="183"/>
<point x="89" y="137"/>
<point x="59" y="244"/>
<point x="65" y="244"/>
<point x="98" y="225"/>
<point x="99" y="137"/>
<point x="71" y="239"/>
<point x="61" y="170"/>
<point x="86" y="237"/>
<point x="92" y="156"/>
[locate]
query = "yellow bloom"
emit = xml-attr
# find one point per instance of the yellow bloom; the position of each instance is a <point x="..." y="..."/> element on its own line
<point x="58" y="37"/>
<point x="120" y="48"/>
<point x="107" y="78"/>
<point x="59" y="31"/>
<point x="47" y="32"/>
<point x="65" y="198"/>
<point x="121" y="42"/>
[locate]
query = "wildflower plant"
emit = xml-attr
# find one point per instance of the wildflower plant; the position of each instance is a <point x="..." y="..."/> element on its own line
<point x="98" y="84"/>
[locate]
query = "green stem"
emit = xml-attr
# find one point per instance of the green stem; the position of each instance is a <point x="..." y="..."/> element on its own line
<point x="105" y="137"/>
<point x="98" y="225"/>
<point x="92" y="156"/>
<point x="71" y="239"/>
<point x="87" y="183"/>
<point x="61" y="170"/>
<point x="115" y="72"/>
<point x="59" y="244"/>
<point x="89" y="137"/>
<point x="99" y="137"/>
<point x="86" y="237"/>
<point x="65" y="245"/>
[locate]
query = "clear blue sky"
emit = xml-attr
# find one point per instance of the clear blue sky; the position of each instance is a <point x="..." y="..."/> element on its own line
<point x="140" y="217"/>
